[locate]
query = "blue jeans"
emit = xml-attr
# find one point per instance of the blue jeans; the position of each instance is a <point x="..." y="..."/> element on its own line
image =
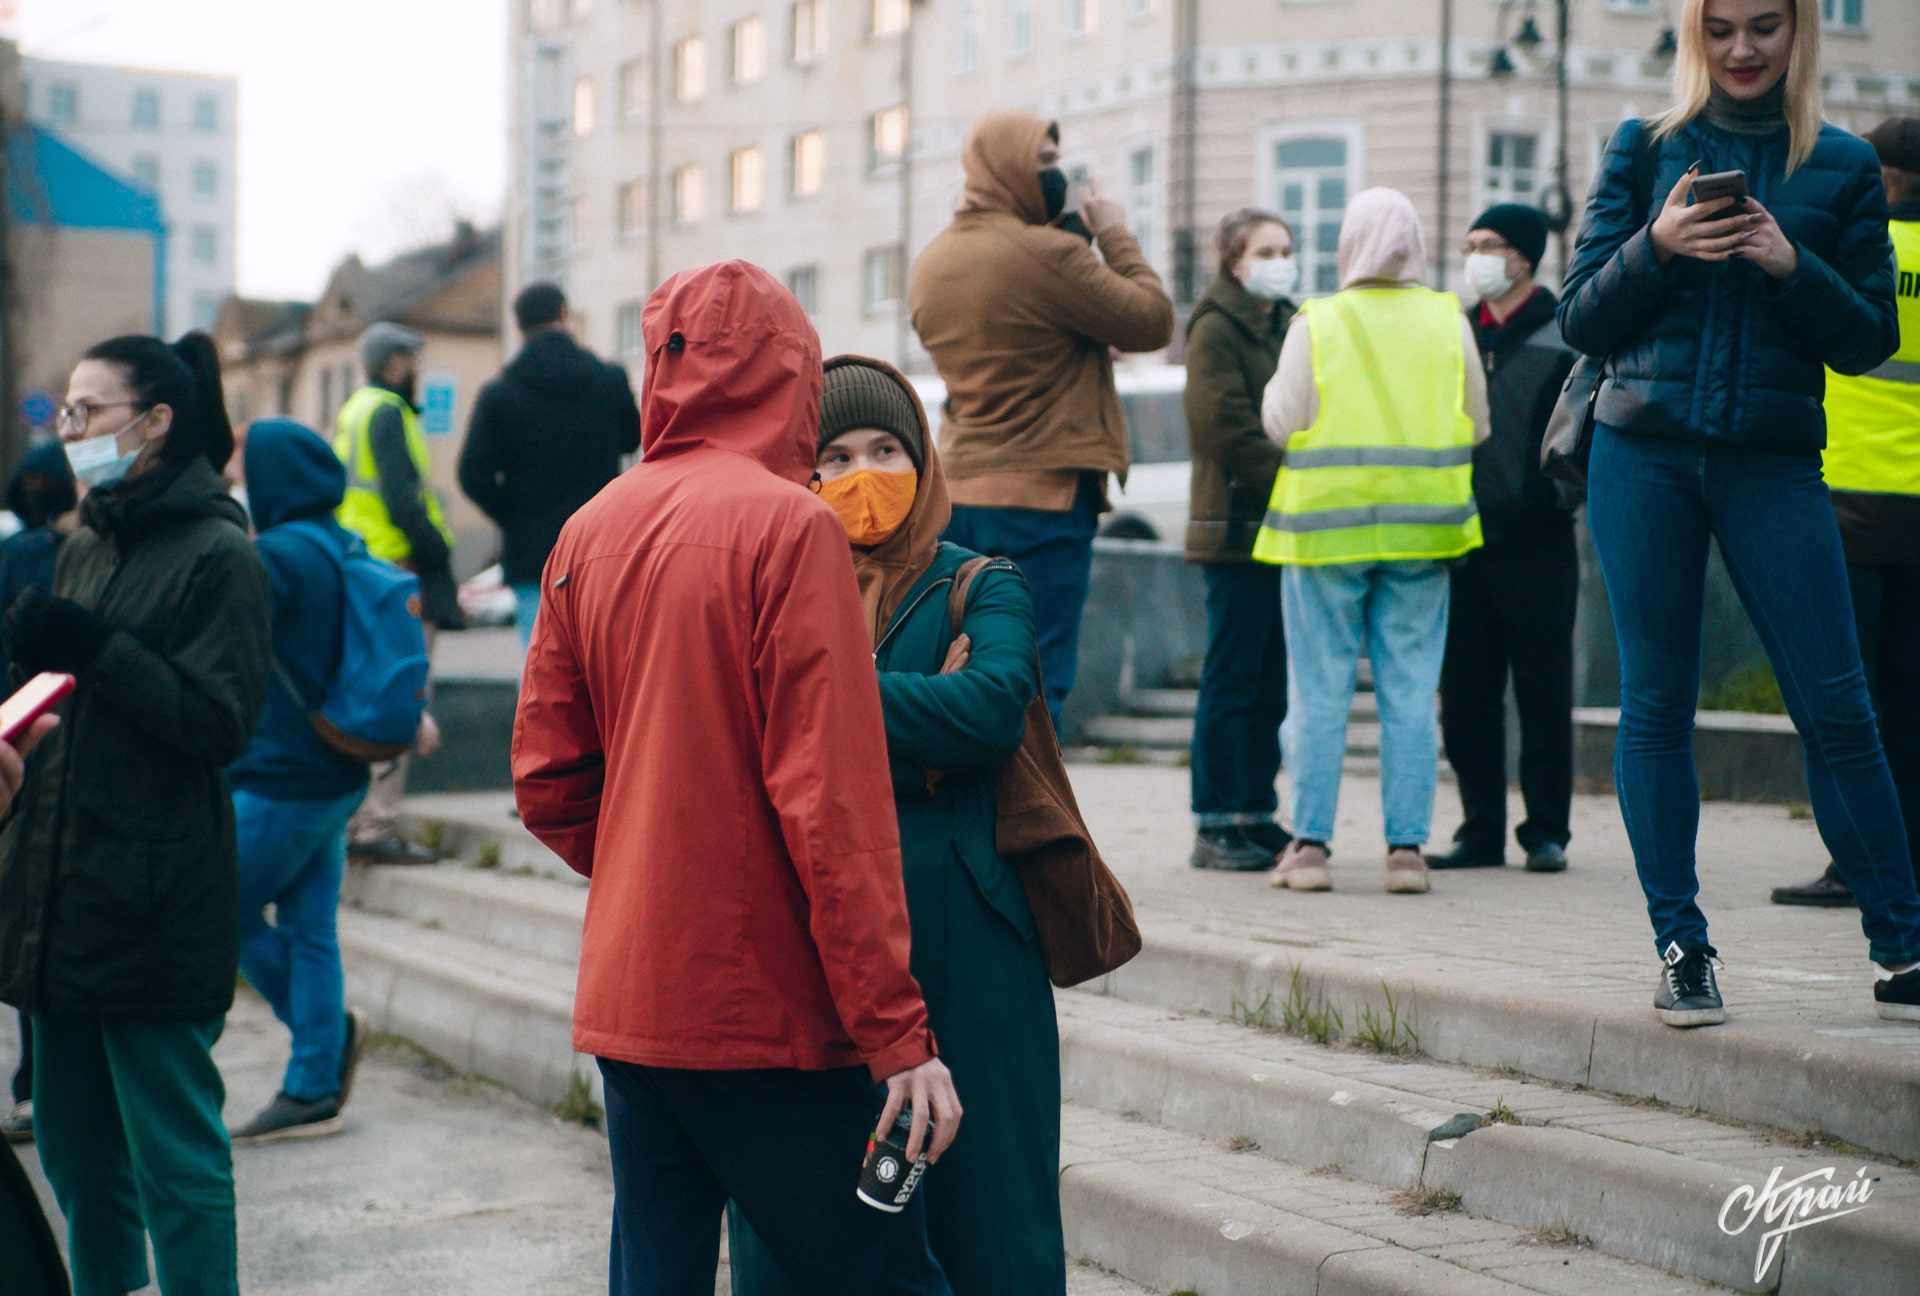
<point x="785" y="1147"/>
<point x="1054" y="551"/>
<point x="526" y="606"/>
<point x="292" y="854"/>
<point x="1397" y="611"/>
<point x="1653" y="505"/>
<point x="1243" y="697"/>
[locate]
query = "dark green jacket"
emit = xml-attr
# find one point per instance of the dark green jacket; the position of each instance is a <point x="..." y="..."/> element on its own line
<point x="119" y="881"/>
<point x="1233" y="347"/>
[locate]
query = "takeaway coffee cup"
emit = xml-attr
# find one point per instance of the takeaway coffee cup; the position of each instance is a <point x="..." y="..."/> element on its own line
<point x="888" y="1179"/>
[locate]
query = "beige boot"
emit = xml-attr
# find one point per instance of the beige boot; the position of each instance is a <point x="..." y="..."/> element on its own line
<point x="1303" y="867"/>
<point x="1407" y="872"/>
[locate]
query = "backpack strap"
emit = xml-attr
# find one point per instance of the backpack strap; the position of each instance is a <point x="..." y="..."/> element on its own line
<point x="963" y="585"/>
<point x="1646" y="163"/>
<point x="318" y="538"/>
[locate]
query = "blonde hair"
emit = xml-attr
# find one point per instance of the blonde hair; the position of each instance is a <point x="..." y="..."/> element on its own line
<point x="1693" y="81"/>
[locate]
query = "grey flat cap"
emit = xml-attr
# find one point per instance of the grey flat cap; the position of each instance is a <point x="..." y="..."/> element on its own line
<point x="381" y="342"/>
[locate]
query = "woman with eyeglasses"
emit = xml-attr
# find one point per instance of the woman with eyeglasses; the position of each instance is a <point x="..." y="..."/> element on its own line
<point x="119" y="885"/>
<point x="1717" y="311"/>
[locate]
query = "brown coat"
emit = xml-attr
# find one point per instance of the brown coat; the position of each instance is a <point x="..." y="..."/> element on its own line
<point x="1018" y="317"/>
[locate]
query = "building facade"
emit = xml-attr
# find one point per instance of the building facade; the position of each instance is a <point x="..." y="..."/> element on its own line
<point x="821" y="138"/>
<point x="173" y="134"/>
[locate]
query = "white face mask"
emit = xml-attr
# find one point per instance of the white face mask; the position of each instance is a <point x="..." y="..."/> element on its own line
<point x="97" y="462"/>
<point x="1487" y="275"/>
<point x="1273" y="278"/>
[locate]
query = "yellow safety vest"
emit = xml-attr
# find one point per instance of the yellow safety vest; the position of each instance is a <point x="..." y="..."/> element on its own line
<point x="1873" y="421"/>
<point x="363" y="510"/>
<point x="1386" y="470"/>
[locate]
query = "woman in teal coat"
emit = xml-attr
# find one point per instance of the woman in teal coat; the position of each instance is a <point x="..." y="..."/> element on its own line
<point x="955" y="708"/>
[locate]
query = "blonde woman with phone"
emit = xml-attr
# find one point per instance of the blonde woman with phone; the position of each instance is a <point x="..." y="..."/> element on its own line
<point x="1717" y="313"/>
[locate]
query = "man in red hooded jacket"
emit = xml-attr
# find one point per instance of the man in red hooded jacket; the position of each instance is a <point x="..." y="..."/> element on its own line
<point x="699" y="733"/>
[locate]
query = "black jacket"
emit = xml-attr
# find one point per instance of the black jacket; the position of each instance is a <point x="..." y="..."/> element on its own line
<point x="1233" y="347"/>
<point x="119" y="877"/>
<point x="1721" y="351"/>
<point x="1526" y="363"/>
<point x="546" y="435"/>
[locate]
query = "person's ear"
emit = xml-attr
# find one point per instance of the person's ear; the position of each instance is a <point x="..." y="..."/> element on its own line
<point x="159" y="420"/>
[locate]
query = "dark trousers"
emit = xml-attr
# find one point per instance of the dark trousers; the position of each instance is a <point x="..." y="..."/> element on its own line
<point x="1243" y="697"/>
<point x="23" y="1074"/>
<point x="1886" y="613"/>
<point x="1054" y="551"/>
<point x="786" y="1147"/>
<point x="1513" y="609"/>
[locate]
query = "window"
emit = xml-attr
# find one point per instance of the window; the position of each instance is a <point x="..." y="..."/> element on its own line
<point x="206" y="180"/>
<point x="206" y="244"/>
<point x="583" y="106"/>
<point x="690" y="69"/>
<point x="628" y="339"/>
<point x="889" y="17"/>
<point x="1630" y="6"/>
<point x="633" y="208"/>
<point x="1312" y="183"/>
<point x="809" y="168"/>
<point x="146" y="172"/>
<point x="969" y="55"/>
<point x="804" y="283"/>
<point x="883" y="277"/>
<point x="749" y="50"/>
<point x="633" y="88"/>
<point x="579" y="220"/>
<point x="1139" y="9"/>
<point x="146" y="109"/>
<point x="689" y="194"/>
<point x="1844" y="15"/>
<point x="1020" y="28"/>
<point x="887" y="137"/>
<point x="809" y="30"/>
<point x="1512" y="170"/>
<point x="206" y="114"/>
<point x="1142" y="198"/>
<point x="63" y="103"/>
<point x="1083" y="17"/>
<point x="749" y="190"/>
<point x="326" y="398"/>
<point x="206" y="311"/>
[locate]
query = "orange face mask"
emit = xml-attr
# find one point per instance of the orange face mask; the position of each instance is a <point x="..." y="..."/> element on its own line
<point x="871" y="504"/>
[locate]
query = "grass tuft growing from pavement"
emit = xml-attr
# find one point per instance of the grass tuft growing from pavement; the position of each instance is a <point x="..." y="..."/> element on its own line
<point x="1502" y="1114"/>
<point x="1120" y="754"/>
<point x="578" y="1107"/>
<point x="1427" y="1201"/>
<point x="1386" y="1031"/>
<point x="1559" y="1235"/>
<point x="1307" y="1013"/>
<point x="432" y="835"/>
<point x="1238" y="1143"/>
<point x="488" y="856"/>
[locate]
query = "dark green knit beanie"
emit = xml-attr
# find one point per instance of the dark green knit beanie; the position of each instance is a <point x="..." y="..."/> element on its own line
<point x="857" y="395"/>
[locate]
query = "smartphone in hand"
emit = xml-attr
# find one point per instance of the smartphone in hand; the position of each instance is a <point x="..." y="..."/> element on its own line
<point x="37" y="697"/>
<point x="1721" y="184"/>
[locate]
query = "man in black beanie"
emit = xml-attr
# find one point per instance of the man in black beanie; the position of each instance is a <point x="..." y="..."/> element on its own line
<point x="1513" y="599"/>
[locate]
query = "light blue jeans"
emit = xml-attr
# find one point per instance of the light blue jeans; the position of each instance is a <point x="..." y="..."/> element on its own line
<point x="1397" y="612"/>
<point x="526" y="607"/>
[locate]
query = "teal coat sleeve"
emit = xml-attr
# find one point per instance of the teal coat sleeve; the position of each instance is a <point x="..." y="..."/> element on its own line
<point x="975" y="718"/>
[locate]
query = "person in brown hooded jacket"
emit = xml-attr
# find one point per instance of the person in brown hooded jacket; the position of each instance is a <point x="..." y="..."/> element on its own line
<point x="1019" y="316"/>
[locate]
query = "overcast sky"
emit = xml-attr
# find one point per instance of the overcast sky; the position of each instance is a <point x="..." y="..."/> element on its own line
<point x="363" y="123"/>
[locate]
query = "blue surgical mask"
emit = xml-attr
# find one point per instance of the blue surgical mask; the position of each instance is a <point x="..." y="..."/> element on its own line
<point x="1273" y="278"/>
<point x="97" y="463"/>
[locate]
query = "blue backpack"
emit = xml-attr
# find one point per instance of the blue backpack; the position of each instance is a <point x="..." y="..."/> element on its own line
<point x="374" y="701"/>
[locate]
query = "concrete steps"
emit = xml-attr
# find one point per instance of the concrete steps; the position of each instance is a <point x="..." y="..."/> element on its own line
<point x="1166" y="1106"/>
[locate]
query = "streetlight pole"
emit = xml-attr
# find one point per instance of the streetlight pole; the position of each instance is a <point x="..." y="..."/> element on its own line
<point x="1444" y="152"/>
<point x="1561" y="217"/>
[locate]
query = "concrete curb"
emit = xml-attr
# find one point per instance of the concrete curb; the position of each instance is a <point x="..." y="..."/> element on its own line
<point x="1863" y="1093"/>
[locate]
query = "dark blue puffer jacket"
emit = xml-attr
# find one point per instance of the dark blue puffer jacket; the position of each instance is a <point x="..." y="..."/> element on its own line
<point x="1719" y="350"/>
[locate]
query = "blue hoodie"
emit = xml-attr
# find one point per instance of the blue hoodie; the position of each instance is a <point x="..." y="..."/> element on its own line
<point x="294" y="476"/>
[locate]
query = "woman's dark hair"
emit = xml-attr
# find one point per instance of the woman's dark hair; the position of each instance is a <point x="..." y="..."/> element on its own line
<point x="185" y="377"/>
<point x="1237" y="227"/>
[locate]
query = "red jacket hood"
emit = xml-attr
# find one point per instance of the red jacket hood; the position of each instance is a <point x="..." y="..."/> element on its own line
<point x="732" y="363"/>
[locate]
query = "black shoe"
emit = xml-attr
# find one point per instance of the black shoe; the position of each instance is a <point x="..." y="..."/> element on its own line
<point x="17" y="1125"/>
<point x="1824" y="892"/>
<point x="389" y="848"/>
<point x="1464" y="856"/>
<point x="1230" y="850"/>
<point x="289" y="1118"/>
<point x="1688" y="994"/>
<point x="1899" y="995"/>
<point x="1269" y="836"/>
<point x="1547" y="857"/>
<point x="356" y="1043"/>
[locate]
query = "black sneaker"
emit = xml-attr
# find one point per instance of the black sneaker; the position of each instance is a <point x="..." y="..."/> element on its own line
<point x="1547" y="857"/>
<point x="389" y="848"/>
<point x="1825" y="892"/>
<point x="1230" y="850"/>
<point x="1688" y="994"/>
<point x="1465" y="856"/>
<point x="1898" y="995"/>
<point x="356" y="1043"/>
<point x="289" y="1118"/>
<point x="17" y="1125"/>
<point x="1269" y="836"/>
